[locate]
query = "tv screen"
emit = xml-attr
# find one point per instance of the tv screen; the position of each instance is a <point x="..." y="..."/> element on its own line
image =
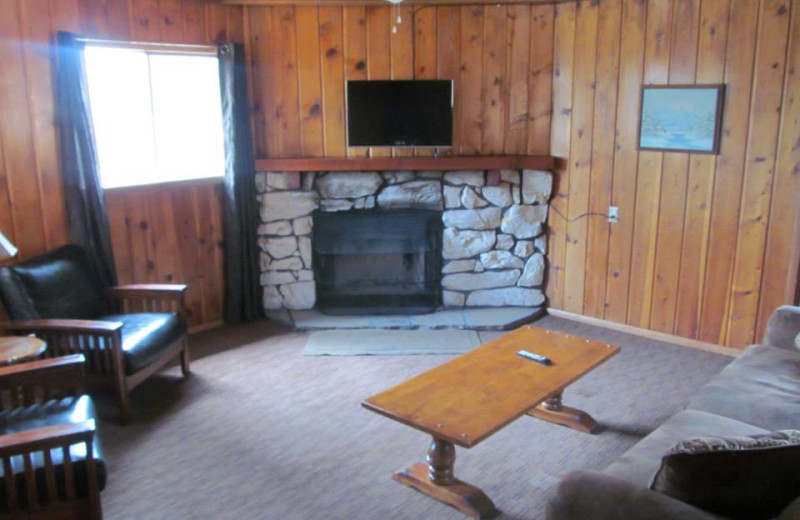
<point x="400" y="113"/>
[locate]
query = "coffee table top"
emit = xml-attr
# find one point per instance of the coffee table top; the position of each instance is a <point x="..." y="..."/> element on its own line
<point x="469" y="398"/>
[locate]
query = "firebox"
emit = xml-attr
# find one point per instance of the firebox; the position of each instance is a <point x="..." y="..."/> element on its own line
<point x="377" y="261"/>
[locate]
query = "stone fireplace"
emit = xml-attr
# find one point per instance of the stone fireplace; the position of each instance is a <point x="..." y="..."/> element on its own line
<point x="492" y="251"/>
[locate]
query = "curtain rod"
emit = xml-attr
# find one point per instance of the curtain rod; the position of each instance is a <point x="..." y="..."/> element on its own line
<point x="152" y="46"/>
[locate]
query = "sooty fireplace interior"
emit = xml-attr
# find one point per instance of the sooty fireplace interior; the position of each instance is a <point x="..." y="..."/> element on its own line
<point x="377" y="261"/>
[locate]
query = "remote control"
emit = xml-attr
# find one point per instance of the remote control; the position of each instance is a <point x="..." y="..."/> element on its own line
<point x="535" y="357"/>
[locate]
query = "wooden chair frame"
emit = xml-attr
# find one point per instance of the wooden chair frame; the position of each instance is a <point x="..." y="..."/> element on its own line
<point x="37" y="381"/>
<point x="101" y="341"/>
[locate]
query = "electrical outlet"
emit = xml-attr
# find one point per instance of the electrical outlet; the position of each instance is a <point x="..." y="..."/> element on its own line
<point x="613" y="214"/>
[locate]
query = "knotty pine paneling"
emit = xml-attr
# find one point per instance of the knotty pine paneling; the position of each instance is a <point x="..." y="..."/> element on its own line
<point x="706" y="246"/>
<point x="182" y="239"/>
<point x="172" y="233"/>
<point x="500" y="58"/>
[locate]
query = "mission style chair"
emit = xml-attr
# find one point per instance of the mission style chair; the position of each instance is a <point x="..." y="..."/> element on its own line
<point x="127" y="332"/>
<point x="52" y="464"/>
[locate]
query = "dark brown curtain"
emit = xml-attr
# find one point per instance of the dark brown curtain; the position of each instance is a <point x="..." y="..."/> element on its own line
<point x="242" y="287"/>
<point x="86" y="206"/>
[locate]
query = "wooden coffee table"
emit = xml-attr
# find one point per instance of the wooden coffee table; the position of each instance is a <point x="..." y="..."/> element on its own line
<point x="464" y="401"/>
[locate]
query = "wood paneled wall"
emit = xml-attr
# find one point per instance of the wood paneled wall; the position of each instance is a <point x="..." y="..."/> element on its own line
<point x="706" y="246"/>
<point x="499" y="56"/>
<point x="32" y="210"/>
<point x="172" y="233"/>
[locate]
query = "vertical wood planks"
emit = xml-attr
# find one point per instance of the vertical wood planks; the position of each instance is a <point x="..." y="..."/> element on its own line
<point x="402" y="53"/>
<point x="378" y="54"/>
<point x="602" y="166"/>
<point x="580" y="159"/>
<point x="330" y="46"/>
<point x="518" y="70"/>
<point x="710" y="68"/>
<point x="493" y="98"/>
<point x="563" y="55"/>
<point x="742" y="31"/>
<point x="355" y="53"/>
<point x="425" y="55"/>
<point x="759" y="170"/>
<point x="448" y="60"/>
<point x="19" y="158"/>
<point x="262" y="69"/>
<point x="623" y="191"/>
<point x="469" y="78"/>
<point x="309" y="82"/>
<point x="648" y="188"/>
<point x="683" y="60"/>
<point x="283" y="82"/>
<point x="540" y="89"/>
<point x="782" y="250"/>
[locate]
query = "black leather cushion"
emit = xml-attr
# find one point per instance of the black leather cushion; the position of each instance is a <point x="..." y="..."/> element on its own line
<point x="741" y="478"/>
<point x="54" y="412"/>
<point x="145" y="336"/>
<point x="58" y="284"/>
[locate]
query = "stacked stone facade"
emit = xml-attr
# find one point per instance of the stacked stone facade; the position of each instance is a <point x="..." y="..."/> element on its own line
<point x="493" y="245"/>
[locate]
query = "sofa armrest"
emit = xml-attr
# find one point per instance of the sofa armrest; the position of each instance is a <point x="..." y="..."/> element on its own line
<point x="590" y="494"/>
<point x="149" y="298"/>
<point x="783" y="327"/>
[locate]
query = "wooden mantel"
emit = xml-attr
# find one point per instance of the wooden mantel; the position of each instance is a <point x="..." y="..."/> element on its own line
<point x="478" y="162"/>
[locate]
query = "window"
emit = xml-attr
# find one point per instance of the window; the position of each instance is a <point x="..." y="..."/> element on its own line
<point x="157" y="116"/>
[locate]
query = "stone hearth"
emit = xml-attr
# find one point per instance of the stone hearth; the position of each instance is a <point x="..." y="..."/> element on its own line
<point x="493" y="241"/>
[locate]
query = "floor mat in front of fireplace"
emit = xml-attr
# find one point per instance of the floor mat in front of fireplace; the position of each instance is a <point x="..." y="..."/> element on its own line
<point x="390" y="342"/>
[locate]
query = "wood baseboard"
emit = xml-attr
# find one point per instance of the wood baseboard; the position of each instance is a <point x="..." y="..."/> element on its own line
<point x="645" y="333"/>
<point x="205" y="326"/>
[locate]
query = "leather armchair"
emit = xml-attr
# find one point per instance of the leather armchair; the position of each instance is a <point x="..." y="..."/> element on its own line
<point x="126" y="332"/>
<point x="52" y="464"/>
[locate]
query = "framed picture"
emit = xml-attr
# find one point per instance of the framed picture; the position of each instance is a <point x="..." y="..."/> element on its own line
<point x="681" y="118"/>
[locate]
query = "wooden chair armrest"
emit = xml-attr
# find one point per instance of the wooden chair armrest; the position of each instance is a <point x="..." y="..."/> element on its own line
<point x="46" y="437"/>
<point x="144" y="290"/>
<point x="72" y="364"/>
<point x="100" y="341"/>
<point x="149" y="298"/>
<point x="40" y="442"/>
<point x="68" y="326"/>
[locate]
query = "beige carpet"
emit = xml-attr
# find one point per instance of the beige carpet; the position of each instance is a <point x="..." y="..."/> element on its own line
<point x="262" y="432"/>
<point x="378" y="342"/>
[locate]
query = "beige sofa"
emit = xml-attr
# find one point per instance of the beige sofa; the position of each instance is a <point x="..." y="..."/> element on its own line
<point x="757" y="393"/>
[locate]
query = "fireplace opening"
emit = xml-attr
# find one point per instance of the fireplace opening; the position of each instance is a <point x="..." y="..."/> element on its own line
<point x="377" y="261"/>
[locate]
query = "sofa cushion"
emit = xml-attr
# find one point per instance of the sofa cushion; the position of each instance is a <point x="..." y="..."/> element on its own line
<point x="743" y="478"/>
<point x="145" y="336"/>
<point x="761" y="387"/>
<point x="641" y="462"/>
<point x="68" y="410"/>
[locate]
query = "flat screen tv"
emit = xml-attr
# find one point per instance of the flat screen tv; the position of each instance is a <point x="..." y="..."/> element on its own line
<point x="400" y="113"/>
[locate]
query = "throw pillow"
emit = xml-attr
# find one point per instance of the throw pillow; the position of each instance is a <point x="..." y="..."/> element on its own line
<point x="744" y="478"/>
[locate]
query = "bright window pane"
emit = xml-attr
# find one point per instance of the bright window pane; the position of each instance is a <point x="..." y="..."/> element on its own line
<point x="156" y="117"/>
<point x="188" y="116"/>
<point x="119" y="93"/>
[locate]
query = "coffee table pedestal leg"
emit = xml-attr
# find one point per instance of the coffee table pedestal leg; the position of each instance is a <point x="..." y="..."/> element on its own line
<point x="437" y="481"/>
<point x="552" y="410"/>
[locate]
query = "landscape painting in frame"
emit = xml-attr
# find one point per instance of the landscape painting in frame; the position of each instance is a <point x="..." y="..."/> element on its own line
<point x="681" y="118"/>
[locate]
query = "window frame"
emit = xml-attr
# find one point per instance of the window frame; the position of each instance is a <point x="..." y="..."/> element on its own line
<point x="168" y="49"/>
